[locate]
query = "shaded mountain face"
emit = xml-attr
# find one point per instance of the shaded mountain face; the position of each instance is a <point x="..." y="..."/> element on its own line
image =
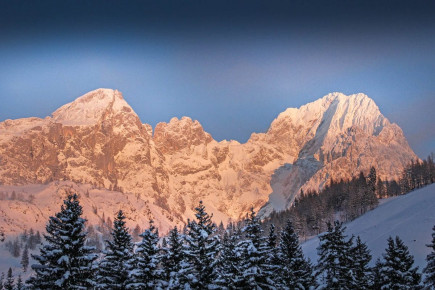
<point x="98" y="139"/>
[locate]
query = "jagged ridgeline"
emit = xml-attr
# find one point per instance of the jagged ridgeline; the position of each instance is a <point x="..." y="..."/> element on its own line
<point x="98" y="145"/>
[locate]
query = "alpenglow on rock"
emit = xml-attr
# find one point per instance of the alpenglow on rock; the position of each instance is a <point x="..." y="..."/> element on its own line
<point x="99" y="140"/>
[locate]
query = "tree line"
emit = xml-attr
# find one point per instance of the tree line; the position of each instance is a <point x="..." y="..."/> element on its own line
<point x="347" y="200"/>
<point x="201" y="257"/>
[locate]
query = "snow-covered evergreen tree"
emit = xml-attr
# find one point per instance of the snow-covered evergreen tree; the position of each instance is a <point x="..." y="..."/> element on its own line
<point x="9" y="283"/>
<point x="115" y="265"/>
<point x="19" y="285"/>
<point x="334" y="265"/>
<point x="64" y="261"/>
<point x="376" y="275"/>
<point x="145" y="274"/>
<point x="294" y="271"/>
<point x="360" y="257"/>
<point x="371" y="180"/>
<point x="272" y="241"/>
<point x="255" y="253"/>
<point x="172" y="259"/>
<point x="397" y="271"/>
<point x="429" y="270"/>
<point x="25" y="258"/>
<point x="230" y="273"/>
<point x="201" y="250"/>
<point x="370" y="198"/>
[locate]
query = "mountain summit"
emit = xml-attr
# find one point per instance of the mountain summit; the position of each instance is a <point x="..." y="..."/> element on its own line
<point x="91" y="108"/>
<point x="99" y="140"/>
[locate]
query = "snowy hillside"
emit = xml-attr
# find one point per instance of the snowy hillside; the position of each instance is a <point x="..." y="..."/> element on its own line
<point x="410" y="216"/>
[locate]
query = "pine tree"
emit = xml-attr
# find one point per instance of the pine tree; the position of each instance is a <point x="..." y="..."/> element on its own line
<point x="230" y="273"/>
<point x="31" y="239"/>
<point x="145" y="273"/>
<point x="376" y="275"/>
<point x="272" y="240"/>
<point x="372" y="200"/>
<point x="360" y="257"/>
<point x="371" y="182"/>
<point x="114" y="267"/>
<point x="9" y="283"/>
<point x="334" y="263"/>
<point x="201" y="250"/>
<point x="25" y="259"/>
<point x="172" y="259"/>
<point x="19" y="285"/>
<point x="397" y="271"/>
<point x="24" y="237"/>
<point x="255" y="253"/>
<point x="64" y="261"/>
<point x="294" y="271"/>
<point x="380" y="189"/>
<point x="16" y="248"/>
<point x="429" y="270"/>
<point x="2" y="278"/>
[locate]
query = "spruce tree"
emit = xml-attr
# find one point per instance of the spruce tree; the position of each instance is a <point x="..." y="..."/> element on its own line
<point x="272" y="241"/>
<point x="16" y="249"/>
<point x="429" y="270"/>
<point x="2" y="278"/>
<point x="201" y="250"/>
<point x="172" y="259"/>
<point x="146" y="260"/>
<point x="255" y="253"/>
<point x="19" y="285"/>
<point x="360" y="257"/>
<point x="31" y="239"/>
<point x="230" y="274"/>
<point x="294" y="271"/>
<point x="25" y="259"/>
<point x="371" y="182"/>
<point x="9" y="283"/>
<point x="334" y="263"/>
<point x="397" y="271"/>
<point x="376" y="275"/>
<point x="371" y="198"/>
<point x="64" y="261"/>
<point x="115" y="265"/>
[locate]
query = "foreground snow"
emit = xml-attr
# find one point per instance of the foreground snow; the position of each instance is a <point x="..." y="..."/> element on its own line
<point x="411" y="217"/>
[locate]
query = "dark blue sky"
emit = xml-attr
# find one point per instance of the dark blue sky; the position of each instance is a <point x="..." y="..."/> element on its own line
<point x="234" y="67"/>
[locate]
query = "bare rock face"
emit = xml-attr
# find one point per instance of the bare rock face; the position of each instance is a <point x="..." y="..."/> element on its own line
<point x="99" y="140"/>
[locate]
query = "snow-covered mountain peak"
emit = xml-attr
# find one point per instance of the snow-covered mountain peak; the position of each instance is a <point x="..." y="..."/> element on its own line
<point x="337" y="110"/>
<point x="179" y="134"/>
<point x="91" y="107"/>
<point x="99" y="140"/>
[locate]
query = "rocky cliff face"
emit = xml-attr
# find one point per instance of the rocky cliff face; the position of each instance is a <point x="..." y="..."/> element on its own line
<point x="98" y="139"/>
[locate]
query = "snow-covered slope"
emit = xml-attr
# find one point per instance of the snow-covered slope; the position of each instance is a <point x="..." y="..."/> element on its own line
<point x="98" y="139"/>
<point x="410" y="216"/>
<point x="35" y="203"/>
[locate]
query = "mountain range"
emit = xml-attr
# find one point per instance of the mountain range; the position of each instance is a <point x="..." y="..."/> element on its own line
<point x="98" y="146"/>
